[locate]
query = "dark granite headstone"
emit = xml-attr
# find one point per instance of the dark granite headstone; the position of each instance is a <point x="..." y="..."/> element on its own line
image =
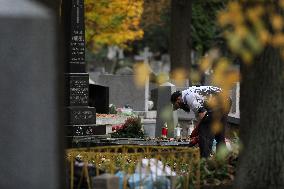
<point x="102" y="129"/>
<point x="31" y="86"/>
<point x="99" y="98"/>
<point x="80" y="115"/>
<point x="80" y="130"/>
<point x="73" y="19"/>
<point x="77" y="86"/>
<point x="80" y="118"/>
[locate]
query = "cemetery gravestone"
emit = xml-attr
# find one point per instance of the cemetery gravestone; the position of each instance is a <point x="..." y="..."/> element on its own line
<point x="149" y="126"/>
<point x="154" y="97"/>
<point x="123" y="91"/>
<point x="165" y="113"/>
<point x="30" y="97"/>
<point x="99" y="98"/>
<point x="234" y="114"/>
<point x="145" y="56"/>
<point x="124" y="71"/>
<point x="80" y="118"/>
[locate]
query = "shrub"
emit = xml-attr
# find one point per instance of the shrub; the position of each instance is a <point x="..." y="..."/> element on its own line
<point x="132" y="128"/>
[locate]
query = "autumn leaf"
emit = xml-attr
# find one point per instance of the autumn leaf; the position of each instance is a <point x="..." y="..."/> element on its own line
<point x="179" y="76"/>
<point x="142" y="72"/>
<point x="112" y="22"/>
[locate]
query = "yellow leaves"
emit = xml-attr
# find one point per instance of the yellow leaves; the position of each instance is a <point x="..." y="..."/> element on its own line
<point x="233" y="77"/>
<point x="250" y="28"/>
<point x="224" y="76"/>
<point x="264" y="37"/>
<point x="226" y="104"/>
<point x="233" y="15"/>
<point x="253" y="43"/>
<point x="248" y="32"/>
<point x="216" y="127"/>
<point x="254" y="14"/>
<point x="179" y="75"/>
<point x="142" y="72"/>
<point x="281" y="3"/>
<point x="219" y="72"/>
<point x="113" y="22"/>
<point x="234" y="6"/>
<point x="222" y="103"/>
<point x="162" y="78"/>
<point x="212" y="102"/>
<point x="223" y="19"/>
<point x="195" y="77"/>
<point x="276" y="22"/>
<point x="278" y="40"/>
<point x="242" y="31"/>
<point x="234" y="42"/>
<point x="205" y="63"/>
<point x="235" y="12"/>
<point x="135" y="23"/>
<point x="132" y="9"/>
<point x="222" y="65"/>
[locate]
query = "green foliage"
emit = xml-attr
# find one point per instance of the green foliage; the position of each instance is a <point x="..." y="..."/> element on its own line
<point x="215" y="172"/>
<point x="220" y="169"/>
<point x="98" y="56"/>
<point x="204" y="29"/>
<point x="132" y="128"/>
<point x="112" y="109"/>
<point x="156" y="36"/>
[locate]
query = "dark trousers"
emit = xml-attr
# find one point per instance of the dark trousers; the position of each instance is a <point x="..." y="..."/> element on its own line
<point x="206" y="135"/>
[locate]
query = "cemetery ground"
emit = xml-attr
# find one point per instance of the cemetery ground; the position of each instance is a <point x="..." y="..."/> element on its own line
<point x="117" y="157"/>
<point x="135" y="124"/>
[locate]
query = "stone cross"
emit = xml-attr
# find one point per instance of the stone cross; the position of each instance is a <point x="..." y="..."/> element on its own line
<point x="146" y="55"/>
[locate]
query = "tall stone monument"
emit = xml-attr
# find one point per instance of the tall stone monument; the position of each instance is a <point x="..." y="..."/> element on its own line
<point x="31" y="86"/>
<point x="80" y="118"/>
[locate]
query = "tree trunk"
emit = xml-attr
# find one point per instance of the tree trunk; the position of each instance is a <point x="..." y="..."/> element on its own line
<point x="261" y="162"/>
<point x="180" y="42"/>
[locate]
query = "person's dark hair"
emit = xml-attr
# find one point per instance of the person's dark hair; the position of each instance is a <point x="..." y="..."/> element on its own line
<point x="174" y="96"/>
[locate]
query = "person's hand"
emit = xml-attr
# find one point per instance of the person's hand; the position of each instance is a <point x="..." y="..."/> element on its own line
<point x="193" y="141"/>
<point x="194" y="132"/>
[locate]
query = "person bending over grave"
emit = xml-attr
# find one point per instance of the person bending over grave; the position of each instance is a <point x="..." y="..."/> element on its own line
<point x="211" y="112"/>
